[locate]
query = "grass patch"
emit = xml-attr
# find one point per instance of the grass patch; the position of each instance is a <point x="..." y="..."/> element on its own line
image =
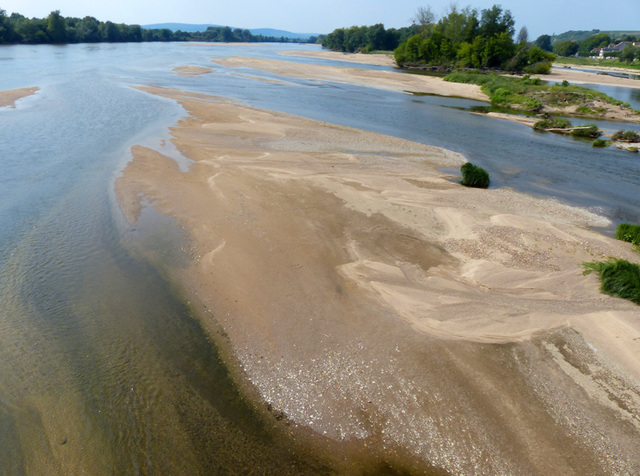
<point x="628" y="232"/>
<point x="531" y="94"/>
<point x="601" y="143"/>
<point x="474" y="176"/>
<point x="618" y="278"/>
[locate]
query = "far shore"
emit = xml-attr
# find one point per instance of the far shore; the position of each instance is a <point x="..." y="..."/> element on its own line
<point x="372" y="300"/>
<point x="9" y="97"/>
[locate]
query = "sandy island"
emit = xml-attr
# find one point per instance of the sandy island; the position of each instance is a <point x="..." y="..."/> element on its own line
<point x="370" y="299"/>
<point x="8" y="98"/>
<point x="191" y="70"/>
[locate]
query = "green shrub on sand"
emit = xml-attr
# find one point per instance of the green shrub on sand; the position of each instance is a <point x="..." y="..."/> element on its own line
<point x="619" y="278"/>
<point x="600" y="143"/>
<point x="626" y="136"/>
<point x="628" y="232"/>
<point x="474" y="176"/>
<point x="552" y="123"/>
<point x="588" y="131"/>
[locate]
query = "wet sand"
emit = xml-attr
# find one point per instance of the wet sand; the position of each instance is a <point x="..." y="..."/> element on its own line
<point x="369" y="299"/>
<point x="8" y="98"/>
<point x="191" y="70"/>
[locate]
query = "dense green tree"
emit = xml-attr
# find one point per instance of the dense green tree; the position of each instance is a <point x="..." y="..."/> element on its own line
<point x="460" y="38"/>
<point x="459" y="26"/>
<point x="544" y="42"/>
<point x="566" y="48"/>
<point x="629" y="53"/>
<point x="88" y="30"/>
<point x="596" y="41"/>
<point x="56" y="27"/>
<point x="366" y="38"/>
<point x="495" y="21"/>
<point x="7" y="30"/>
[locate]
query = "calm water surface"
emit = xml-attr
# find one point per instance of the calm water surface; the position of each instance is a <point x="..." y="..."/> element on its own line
<point x="103" y="369"/>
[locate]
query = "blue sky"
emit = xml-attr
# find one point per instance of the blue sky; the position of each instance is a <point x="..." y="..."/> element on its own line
<point x="323" y="16"/>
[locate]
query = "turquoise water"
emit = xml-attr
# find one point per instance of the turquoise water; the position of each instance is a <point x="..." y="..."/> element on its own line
<point x="103" y="368"/>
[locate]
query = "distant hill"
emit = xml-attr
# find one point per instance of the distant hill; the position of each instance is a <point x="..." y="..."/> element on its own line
<point x="579" y="35"/>
<point x="190" y="27"/>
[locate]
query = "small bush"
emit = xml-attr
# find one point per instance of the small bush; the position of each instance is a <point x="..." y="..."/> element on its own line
<point x="632" y="149"/>
<point x="552" y="123"/>
<point x="474" y="176"/>
<point x="626" y="136"/>
<point x="589" y="131"/>
<point x="600" y="143"/>
<point x="628" y="232"/>
<point x="543" y="67"/>
<point x="618" y="278"/>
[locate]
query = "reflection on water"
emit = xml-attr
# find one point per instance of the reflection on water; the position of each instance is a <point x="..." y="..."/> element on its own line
<point x="103" y="368"/>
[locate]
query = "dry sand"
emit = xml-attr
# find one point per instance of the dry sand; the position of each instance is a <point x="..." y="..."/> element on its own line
<point x="559" y="73"/>
<point x="373" y="301"/>
<point x="361" y="58"/>
<point x="9" y="98"/>
<point x="389" y="80"/>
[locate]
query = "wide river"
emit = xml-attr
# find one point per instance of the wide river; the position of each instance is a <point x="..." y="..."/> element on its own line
<point x="103" y="369"/>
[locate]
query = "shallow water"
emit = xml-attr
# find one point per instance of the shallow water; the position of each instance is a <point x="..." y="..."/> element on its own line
<point x="103" y="368"/>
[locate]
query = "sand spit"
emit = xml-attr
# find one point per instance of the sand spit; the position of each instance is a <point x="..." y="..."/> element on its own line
<point x="371" y="300"/>
<point x="560" y="73"/>
<point x="361" y="58"/>
<point x="389" y="80"/>
<point x="191" y="70"/>
<point x="8" y="98"/>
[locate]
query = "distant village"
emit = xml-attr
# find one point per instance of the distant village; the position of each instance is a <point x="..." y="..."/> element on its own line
<point x="614" y="48"/>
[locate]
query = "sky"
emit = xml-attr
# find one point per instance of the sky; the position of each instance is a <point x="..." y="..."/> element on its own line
<point x="313" y="16"/>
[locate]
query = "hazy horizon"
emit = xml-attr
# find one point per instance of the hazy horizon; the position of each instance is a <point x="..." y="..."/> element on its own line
<point x="543" y="17"/>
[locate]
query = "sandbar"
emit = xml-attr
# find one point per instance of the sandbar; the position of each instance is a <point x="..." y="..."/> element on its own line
<point x="388" y="80"/>
<point x="361" y="58"/>
<point x="191" y="70"/>
<point x="8" y="98"/>
<point x="369" y="298"/>
<point x="560" y="73"/>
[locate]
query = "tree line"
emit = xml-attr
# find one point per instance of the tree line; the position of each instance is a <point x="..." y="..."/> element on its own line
<point x="367" y="38"/>
<point x="463" y="38"/>
<point x="56" y="29"/>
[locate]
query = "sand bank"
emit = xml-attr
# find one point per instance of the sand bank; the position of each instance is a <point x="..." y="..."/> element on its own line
<point x="191" y="70"/>
<point x="368" y="298"/>
<point x="361" y="58"/>
<point x="8" y="98"/>
<point x="560" y="73"/>
<point x="389" y="80"/>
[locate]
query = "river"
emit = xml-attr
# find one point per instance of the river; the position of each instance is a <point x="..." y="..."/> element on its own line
<point x="103" y="367"/>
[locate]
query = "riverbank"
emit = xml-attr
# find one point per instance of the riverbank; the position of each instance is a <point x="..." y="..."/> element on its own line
<point x="371" y="299"/>
<point x="8" y="98"/>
